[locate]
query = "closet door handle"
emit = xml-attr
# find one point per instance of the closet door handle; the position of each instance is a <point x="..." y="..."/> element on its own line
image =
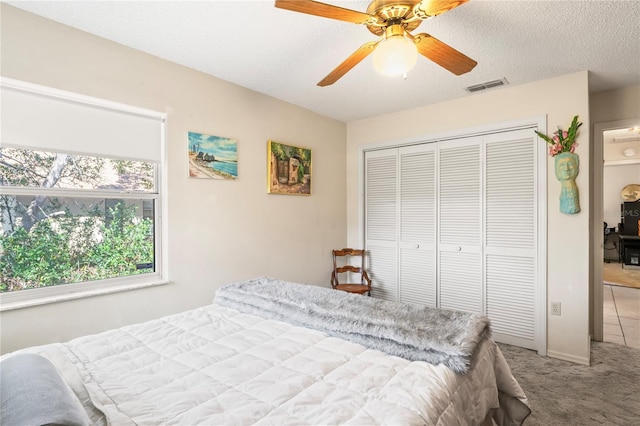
<point x="458" y="248"/>
<point x="417" y="246"/>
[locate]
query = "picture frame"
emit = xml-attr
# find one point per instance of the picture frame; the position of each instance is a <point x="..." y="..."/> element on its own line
<point x="288" y="169"/>
<point x="212" y="157"/>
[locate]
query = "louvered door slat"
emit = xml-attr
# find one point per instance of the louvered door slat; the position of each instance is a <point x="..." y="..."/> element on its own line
<point x="418" y="277"/>
<point x="460" y="282"/>
<point x="381" y="222"/>
<point x="417" y="197"/>
<point x="383" y="271"/>
<point x="511" y="295"/>
<point x="510" y="241"/>
<point x="381" y="181"/>
<point x="510" y="193"/>
<point x="460" y="195"/>
<point x="460" y="225"/>
<point x="417" y="261"/>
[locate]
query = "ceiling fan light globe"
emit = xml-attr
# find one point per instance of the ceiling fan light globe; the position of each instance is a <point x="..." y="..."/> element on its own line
<point x="395" y="56"/>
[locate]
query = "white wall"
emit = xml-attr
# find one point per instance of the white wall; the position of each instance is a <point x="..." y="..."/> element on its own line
<point x="219" y="231"/>
<point x="568" y="235"/>
<point x="615" y="178"/>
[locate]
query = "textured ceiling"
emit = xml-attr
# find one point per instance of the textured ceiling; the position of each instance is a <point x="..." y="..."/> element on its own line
<point x="284" y="54"/>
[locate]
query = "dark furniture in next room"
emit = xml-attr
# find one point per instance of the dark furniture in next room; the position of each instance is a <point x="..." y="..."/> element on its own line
<point x="611" y="246"/>
<point x="630" y="235"/>
<point x="630" y="250"/>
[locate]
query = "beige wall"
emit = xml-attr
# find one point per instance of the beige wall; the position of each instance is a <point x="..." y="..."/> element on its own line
<point x="568" y="235"/>
<point x="219" y="231"/>
<point x="613" y="105"/>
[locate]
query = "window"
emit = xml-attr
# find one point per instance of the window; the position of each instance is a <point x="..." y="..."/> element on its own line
<point x="74" y="223"/>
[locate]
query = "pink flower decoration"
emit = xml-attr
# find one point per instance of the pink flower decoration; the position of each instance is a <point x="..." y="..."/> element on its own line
<point x="555" y="149"/>
<point x="562" y="140"/>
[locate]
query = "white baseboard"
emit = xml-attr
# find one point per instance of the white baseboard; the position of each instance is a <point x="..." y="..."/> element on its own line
<point x="567" y="357"/>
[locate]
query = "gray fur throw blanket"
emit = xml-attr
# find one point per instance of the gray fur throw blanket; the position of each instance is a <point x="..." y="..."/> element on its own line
<point x="416" y="333"/>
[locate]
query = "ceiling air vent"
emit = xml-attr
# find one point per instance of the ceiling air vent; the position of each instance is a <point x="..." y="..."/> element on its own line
<point x="486" y="85"/>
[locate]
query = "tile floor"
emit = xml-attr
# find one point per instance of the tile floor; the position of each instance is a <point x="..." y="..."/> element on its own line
<point x="621" y="312"/>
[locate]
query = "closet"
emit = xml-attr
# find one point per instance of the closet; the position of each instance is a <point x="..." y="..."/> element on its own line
<point x="454" y="224"/>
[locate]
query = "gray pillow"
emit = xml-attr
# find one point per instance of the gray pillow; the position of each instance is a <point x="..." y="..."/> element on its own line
<point x="33" y="393"/>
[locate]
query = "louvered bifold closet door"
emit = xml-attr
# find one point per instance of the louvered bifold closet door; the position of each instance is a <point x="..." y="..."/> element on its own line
<point x="460" y="219"/>
<point x="510" y="243"/>
<point x="381" y="222"/>
<point x="417" y="257"/>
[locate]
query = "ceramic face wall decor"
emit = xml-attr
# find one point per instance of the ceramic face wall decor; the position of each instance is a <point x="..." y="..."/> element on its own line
<point x="567" y="168"/>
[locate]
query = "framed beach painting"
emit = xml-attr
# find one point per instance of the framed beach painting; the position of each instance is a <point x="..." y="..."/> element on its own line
<point x="289" y="169"/>
<point x="212" y="157"/>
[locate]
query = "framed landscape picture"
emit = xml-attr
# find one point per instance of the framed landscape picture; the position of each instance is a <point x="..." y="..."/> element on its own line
<point x="288" y="169"/>
<point x="212" y="157"/>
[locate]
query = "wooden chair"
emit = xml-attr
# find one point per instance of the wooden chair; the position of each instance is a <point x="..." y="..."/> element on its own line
<point x="362" y="287"/>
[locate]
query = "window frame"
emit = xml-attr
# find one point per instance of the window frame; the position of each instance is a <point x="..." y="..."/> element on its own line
<point x="62" y="292"/>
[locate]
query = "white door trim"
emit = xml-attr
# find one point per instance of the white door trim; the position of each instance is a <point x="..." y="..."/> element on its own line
<point x="597" y="207"/>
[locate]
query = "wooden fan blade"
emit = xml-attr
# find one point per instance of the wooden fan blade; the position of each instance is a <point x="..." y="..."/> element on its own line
<point x="326" y="11"/>
<point x="443" y="54"/>
<point x="353" y="60"/>
<point x="428" y="8"/>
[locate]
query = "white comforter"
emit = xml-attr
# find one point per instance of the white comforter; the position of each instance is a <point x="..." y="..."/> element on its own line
<point x="216" y="366"/>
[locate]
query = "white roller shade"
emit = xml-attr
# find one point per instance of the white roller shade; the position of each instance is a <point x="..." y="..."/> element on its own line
<point x="37" y="117"/>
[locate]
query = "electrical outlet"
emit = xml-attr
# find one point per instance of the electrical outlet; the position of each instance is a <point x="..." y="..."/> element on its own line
<point x="556" y="308"/>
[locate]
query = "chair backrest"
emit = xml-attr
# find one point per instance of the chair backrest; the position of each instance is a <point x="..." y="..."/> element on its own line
<point x="611" y="241"/>
<point x="348" y="261"/>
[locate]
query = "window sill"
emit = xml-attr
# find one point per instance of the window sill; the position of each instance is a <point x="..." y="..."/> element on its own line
<point x="35" y="297"/>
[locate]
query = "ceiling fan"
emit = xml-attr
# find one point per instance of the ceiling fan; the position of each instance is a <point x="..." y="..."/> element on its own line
<point x="392" y="20"/>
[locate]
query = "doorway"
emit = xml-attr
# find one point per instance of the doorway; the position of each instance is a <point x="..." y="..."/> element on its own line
<point x="616" y="317"/>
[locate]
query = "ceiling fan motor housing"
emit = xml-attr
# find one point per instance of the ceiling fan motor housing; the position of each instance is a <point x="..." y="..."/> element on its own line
<point x="392" y="21"/>
<point x="393" y="12"/>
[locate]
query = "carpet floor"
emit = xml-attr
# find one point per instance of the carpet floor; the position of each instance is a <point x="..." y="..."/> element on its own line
<point x="563" y="393"/>
<point x="614" y="273"/>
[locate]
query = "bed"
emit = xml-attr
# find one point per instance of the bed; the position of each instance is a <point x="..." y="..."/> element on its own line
<point x="257" y="356"/>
